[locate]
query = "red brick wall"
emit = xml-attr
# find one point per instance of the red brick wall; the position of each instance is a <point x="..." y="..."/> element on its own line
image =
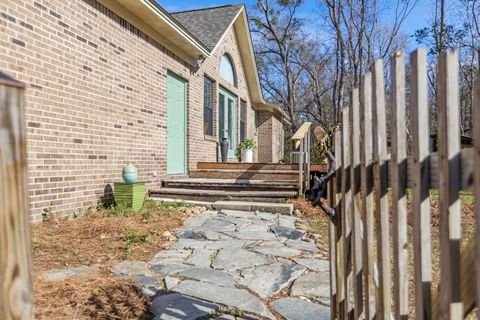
<point x="96" y="98"/>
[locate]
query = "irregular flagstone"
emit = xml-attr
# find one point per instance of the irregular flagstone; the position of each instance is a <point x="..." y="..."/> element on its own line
<point x="190" y="234"/>
<point x="314" y="285"/>
<point x="150" y="286"/>
<point x="170" y="256"/>
<point x="277" y="249"/>
<point x="239" y="214"/>
<point x="238" y="259"/>
<point x="266" y="215"/>
<point x="227" y="244"/>
<point x="209" y="275"/>
<point x="191" y="243"/>
<point x="217" y="224"/>
<point x="171" y="282"/>
<point x="201" y="257"/>
<point x="297" y="309"/>
<point x="261" y="228"/>
<point x="252" y="235"/>
<point x="314" y="264"/>
<point x="170" y="268"/>
<point x="271" y="279"/>
<point x="61" y="274"/>
<point x="232" y="297"/>
<point x="288" y="233"/>
<point x="131" y="268"/>
<point x="287" y="221"/>
<point x="302" y="245"/>
<point x="179" y="307"/>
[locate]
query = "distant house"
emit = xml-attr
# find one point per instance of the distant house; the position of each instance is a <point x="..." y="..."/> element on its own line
<point x="117" y="81"/>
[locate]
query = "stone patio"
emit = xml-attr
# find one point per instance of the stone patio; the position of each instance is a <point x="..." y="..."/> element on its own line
<point x="235" y="265"/>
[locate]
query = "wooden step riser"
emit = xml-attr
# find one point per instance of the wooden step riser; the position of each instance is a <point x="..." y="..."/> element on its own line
<point x="215" y="198"/>
<point x="233" y="187"/>
<point x="256" y="166"/>
<point x="243" y="175"/>
<point x="246" y="166"/>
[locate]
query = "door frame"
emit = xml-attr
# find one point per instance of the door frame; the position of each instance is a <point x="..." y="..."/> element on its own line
<point x="185" y="122"/>
<point x="228" y="94"/>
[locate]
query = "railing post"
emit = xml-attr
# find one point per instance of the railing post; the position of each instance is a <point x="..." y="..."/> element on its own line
<point x="307" y="160"/>
<point x="15" y="253"/>
<point x="300" y="169"/>
<point x="476" y="141"/>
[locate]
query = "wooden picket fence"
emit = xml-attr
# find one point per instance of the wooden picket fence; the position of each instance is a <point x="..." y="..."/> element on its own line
<point x="369" y="261"/>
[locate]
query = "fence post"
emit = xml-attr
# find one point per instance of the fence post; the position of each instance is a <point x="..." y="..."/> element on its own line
<point x="451" y="306"/>
<point x="421" y="184"/>
<point x="367" y="195"/>
<point x="15" y="253"/>
<point x="399" y="185"/>
<point x="356" y="203"/>
<point x="476" y="159"/>
<point x="340" y="244"/>
<point x="346" y="210"/>
<point x="381" y="191"/>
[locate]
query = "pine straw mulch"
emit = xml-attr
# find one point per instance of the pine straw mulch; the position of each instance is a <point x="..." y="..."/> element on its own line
<point x="101" y="237"/>
<point x="90" y="297"/>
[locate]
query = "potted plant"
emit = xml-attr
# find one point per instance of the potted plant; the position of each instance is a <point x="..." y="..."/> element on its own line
<point x="247" y="146"/>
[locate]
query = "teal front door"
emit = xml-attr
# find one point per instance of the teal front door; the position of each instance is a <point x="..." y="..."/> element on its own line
<point x="227" y="120"/>
<point x="176" y="125"/>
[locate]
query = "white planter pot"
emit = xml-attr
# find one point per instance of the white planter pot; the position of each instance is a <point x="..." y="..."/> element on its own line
<point x="248" y="156"/>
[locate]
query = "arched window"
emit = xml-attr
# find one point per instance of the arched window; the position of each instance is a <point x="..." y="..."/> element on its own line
<point x="227" y="71"/>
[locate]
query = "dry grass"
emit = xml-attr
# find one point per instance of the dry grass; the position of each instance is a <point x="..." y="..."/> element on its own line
<point x="103" y="236"/>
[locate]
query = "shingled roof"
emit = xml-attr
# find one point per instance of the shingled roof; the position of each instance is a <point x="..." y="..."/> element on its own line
<point x="208" y="24"/>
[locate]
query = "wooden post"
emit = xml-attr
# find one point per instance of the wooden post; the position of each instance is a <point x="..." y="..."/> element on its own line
<point x="421" y="183"/>
<point x="449" y="184"/>
<point x="381" y="191"/>
<point x="399" y="185"/>
<point x="356" y="203"/>
<point x="476" y="145"/>
<point x="300" y="168"/>
<point x="367" y="195"/>
<point x="340" y="244"/>
<point x="15" y="240"/>
<point x="346" y="210"/>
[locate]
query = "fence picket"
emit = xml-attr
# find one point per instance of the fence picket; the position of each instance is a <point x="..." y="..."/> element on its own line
<point x="346" y="210"/>
<point x="380" y="173"/>
<point x="339" y="228"/>
<point x="356" y="203"/>
<point x="367" y="195"/>
<point x="449" y="177"/>
<point x="476" y="142"/>
<point x="420" y="178"/>
<point x="399" y="185"/>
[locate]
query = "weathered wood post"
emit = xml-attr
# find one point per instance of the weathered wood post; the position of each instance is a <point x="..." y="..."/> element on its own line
<point x="16" y="296"/>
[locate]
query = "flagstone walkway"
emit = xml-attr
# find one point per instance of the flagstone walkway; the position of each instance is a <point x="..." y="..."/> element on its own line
<point x="236" y="265"/>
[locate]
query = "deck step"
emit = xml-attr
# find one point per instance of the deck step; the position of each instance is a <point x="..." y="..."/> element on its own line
<point x="257" y="166"/>
<point x="216" y="195"/>
<point x="231" y="184"/>
<point x="291" y="175"/>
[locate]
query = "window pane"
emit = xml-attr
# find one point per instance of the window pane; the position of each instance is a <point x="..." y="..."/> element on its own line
<point x="243" y="120"/>
<point x="227" y="72"/>
<point x="242" y="130"/>
<point x="221" y="116"/>
<point x="207" y="107"/>
<point x="230" y="122"/>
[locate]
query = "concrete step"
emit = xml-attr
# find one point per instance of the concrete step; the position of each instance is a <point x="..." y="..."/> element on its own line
<point x="290" y="175"/>
<point x="215" y="195"/>
<point x="231" y="184"/>
<point x="281" y="208"/>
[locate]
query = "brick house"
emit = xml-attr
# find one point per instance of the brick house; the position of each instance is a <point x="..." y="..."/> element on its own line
<point x="117" y="81"/>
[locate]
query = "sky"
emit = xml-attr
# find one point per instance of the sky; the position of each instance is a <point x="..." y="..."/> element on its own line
<point x="417" y="19"/>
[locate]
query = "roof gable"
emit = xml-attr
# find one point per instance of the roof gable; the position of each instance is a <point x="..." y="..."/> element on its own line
<point x="209" y="24"/>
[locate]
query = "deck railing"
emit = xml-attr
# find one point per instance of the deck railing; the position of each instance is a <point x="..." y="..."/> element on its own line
<point x="301" y="154"/>
<point x="363" y="252"/>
